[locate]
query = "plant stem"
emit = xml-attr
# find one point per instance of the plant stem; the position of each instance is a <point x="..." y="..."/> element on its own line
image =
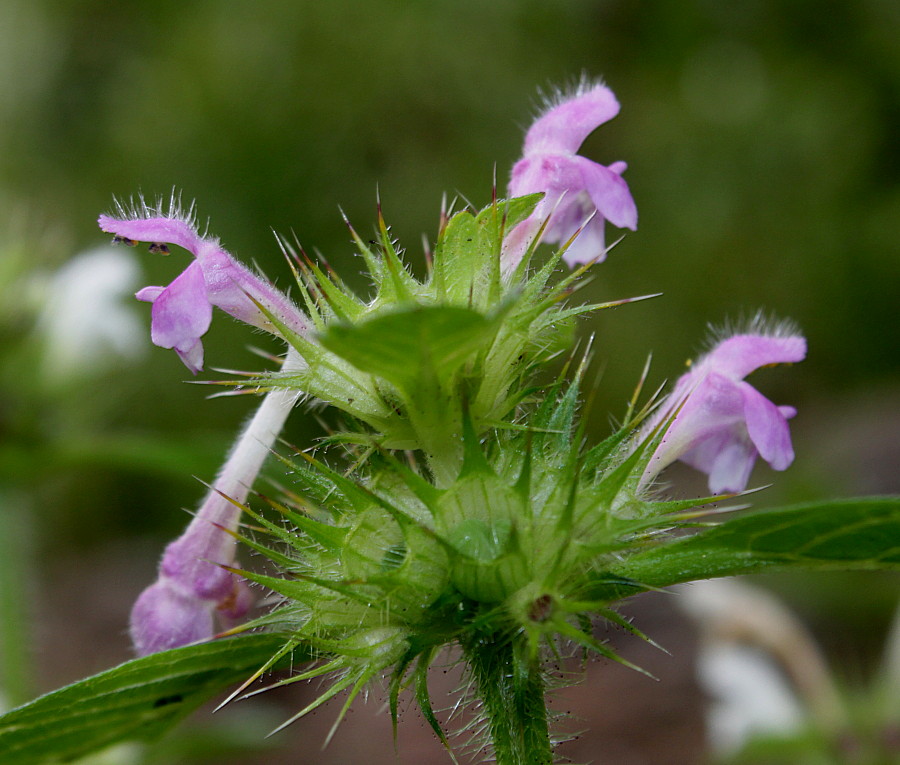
<point x="511" y="689"/>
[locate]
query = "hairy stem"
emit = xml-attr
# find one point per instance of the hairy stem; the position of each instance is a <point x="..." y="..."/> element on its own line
<point x="511" y="690"/>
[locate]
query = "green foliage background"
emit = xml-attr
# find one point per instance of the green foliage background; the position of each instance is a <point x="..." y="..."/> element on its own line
<point x="761" y="137"/>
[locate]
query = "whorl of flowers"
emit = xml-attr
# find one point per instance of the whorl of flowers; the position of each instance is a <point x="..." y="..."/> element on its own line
<point x="471" y="510"/>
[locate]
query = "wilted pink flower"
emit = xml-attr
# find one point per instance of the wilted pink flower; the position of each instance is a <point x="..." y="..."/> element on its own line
<point x="182" y="312"/>
<point x="193" y="591"/>
<point x="722" y="423"/>
<point x="578" y="192"/>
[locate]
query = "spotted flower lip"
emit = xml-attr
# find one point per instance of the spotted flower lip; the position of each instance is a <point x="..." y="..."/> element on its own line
<point x="579" y="195"/>
<point x="720" y="423"/>
<point x="182" y="311"/>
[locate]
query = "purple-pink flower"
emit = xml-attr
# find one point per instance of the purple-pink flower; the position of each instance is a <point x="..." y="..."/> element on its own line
<point x="578" y="193"/>
<point x="720" y="422"/>
<point x="182" y="312"/>
<point x="194" y="594"/>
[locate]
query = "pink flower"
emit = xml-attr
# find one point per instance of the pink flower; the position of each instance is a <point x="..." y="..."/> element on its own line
<point x="182" y="312"/>
<point x="579" y="193"/>
<point x="722" y="423"/>
<point x="194" y="593"/>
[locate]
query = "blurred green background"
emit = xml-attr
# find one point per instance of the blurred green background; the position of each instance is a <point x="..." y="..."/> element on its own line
<point x="762" y="144"/>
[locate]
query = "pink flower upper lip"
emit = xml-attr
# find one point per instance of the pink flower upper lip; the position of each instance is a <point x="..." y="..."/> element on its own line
<point x="182" y="311"/>
<point x="722" y="423"/>
<point x="579" y="193"/>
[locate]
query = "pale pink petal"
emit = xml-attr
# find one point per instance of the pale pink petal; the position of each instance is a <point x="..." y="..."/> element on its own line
<point x="726" y="458"/>
<point x="552" y="174"/>
<point x="192" y="357"/>
<point x="196" y="556"/>
<point x="577" y="192"/>
<point x="564" y="126"/>
<point x="589" y="246"/>
<point x="732" y="466"/>
<point x="609" y="192"/>
<point x="560" y="177"/>
<point x="768" y="428"/>
<point x="163" y="617"/>
<point x="713" y="400"/>
<point x="195" y="587"/>
<point x="149" y="294"/>
<point x="740" y="355"/>
<point x="181" y="314"/>
<point x="238" y="603"/>
<point x="182" y="311"/>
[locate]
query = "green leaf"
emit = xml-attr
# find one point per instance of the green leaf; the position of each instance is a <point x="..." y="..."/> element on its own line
<point x="399" y="346"/>
<point x="848" y="534"/>
<point x="136" y="700"/>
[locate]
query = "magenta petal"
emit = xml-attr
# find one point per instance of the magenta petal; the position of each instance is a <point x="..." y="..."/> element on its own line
<point x="181" y="313"/>
<point x="609" y="192"/>
<point x="563" y="127"/>
<point x="767" y="427"/>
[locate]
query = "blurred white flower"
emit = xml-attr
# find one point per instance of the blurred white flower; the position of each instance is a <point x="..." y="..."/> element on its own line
<point x="749" y="696"/>
<point x="86" y="319"/>
<point x="763" y="672"/>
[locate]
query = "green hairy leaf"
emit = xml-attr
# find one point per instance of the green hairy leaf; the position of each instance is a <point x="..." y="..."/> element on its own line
<point x="860" y="534"/>
<point x="137" y="700"/>
<point x="397" y="346"/>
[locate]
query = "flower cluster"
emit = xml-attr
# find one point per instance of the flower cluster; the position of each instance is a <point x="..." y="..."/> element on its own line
<point x="484" y="532"/>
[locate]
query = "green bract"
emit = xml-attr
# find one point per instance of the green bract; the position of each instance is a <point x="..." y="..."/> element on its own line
<point x="407" y="364"/>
